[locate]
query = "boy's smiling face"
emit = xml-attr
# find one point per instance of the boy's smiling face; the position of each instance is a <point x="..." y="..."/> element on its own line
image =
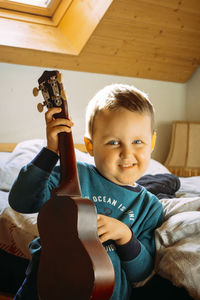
<point x="121" y="145"/>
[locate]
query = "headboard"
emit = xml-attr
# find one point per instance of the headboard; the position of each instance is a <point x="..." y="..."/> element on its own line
<point x="9" y="147"/>
<point x="183" y="158"/>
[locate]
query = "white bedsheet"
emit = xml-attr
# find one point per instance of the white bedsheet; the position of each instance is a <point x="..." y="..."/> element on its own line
<point x="190" y="187"/>
<point x="178" y="244"/>
<point x="3" y="200"/>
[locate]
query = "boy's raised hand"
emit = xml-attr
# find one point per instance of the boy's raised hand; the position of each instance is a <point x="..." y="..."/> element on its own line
<point x="55" y="126"/>
<point x="112" y="229"/>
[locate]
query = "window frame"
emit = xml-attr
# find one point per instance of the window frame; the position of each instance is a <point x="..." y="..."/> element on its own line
<point x="66" y="32"/>
<point x="38" y="10"/>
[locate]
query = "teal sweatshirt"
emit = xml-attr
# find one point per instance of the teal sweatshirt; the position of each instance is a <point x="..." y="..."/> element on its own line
<point x="134" y="206"/>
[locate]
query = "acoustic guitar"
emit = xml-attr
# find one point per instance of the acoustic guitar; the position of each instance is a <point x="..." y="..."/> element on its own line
<point x="74" y="264"/>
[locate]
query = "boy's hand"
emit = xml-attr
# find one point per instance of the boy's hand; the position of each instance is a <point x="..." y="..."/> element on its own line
<point x="113" y="229"/>
<point x="55" y="126"/>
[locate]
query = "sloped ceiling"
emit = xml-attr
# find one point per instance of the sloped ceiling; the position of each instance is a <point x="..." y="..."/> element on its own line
<point x="155" y="39"/>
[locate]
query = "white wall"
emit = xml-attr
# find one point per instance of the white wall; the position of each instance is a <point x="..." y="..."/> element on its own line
<point x="193" y="97"/>
<point x="20" y="119"/>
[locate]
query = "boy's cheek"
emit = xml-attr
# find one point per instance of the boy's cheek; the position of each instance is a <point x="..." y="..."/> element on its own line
<point x="109" y="157"/>
<point x="145" y="156"/>
<point x="145" y="153"/>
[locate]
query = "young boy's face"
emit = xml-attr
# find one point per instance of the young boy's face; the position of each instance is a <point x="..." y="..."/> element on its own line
<point x="122" y="145"/>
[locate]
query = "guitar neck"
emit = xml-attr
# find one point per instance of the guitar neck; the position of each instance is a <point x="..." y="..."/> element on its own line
<point x="69" y="183"/>
<point x="54" y="96"/>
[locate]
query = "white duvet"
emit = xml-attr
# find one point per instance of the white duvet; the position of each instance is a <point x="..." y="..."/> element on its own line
<point x="178" y="244"/>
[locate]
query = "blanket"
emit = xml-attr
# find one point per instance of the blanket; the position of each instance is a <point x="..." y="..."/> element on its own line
<point x="178" y="244"/>
<point x="162" y="185"/>
<point x="16" y="230"/>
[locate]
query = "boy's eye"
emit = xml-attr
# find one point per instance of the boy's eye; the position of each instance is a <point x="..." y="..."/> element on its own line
<point x="137" y="142"/>
<point x="113" y="143"/>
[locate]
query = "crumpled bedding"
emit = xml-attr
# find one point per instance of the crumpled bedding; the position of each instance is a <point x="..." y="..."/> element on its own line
<point x="16" y="230"/>
<point x="178" y="244"/>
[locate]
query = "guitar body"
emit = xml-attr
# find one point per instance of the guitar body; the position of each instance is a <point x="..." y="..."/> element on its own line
<point x="73" y="263"/>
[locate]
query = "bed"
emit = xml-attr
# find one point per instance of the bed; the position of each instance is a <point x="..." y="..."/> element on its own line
<point x="177" y="240"/>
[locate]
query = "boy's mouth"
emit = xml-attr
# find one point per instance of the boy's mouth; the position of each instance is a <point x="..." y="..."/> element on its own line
<point x="128" y="166"/>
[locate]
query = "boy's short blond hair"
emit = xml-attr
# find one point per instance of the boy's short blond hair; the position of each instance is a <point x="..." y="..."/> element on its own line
<point x="114" y="97"/>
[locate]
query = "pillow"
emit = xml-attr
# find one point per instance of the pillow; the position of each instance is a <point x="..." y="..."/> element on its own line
<point x="156" y="167"/>
<point x="84" y="157"/>
<point x="23" y="153"/>
<point x="4" y="157"/>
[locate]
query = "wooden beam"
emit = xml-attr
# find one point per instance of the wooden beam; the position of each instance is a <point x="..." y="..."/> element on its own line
<point x="104" y="64"/>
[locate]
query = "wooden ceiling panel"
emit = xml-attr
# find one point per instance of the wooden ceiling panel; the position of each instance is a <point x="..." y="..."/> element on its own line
<point x="160" y="38"/>
<point x="155" y="39"/>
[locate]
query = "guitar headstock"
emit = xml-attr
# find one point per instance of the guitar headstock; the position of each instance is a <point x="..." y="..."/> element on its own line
<point x="50" y="84"/>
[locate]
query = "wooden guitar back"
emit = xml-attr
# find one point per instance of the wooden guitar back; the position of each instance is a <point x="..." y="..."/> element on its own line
<point x="74" y="257"/>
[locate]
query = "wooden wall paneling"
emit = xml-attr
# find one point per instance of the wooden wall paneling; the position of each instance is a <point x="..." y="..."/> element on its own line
<point x="141" y="38"/>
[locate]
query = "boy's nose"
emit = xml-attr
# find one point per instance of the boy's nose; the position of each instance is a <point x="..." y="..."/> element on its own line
<point x="126" y="152"/>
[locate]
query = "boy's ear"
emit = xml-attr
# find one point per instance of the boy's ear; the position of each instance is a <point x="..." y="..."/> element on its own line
<point x="88" y="145"/>
<point x="153" y="141"/>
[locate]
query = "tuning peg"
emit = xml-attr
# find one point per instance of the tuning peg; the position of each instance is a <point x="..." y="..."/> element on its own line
<point x="36" y="92"/>
<point x="63" y="95"/>
<point x="40" y="107"/>
<point x="59" y="78"/>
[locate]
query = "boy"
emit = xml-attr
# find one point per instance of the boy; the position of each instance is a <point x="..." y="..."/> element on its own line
<point x="120" y="135"/>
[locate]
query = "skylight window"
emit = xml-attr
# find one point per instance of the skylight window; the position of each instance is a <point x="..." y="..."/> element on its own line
<point x="40" y="3"/>
<point x="35" y="7"/>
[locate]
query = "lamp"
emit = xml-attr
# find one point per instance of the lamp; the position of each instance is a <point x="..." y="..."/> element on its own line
<point x="184" y="154"/>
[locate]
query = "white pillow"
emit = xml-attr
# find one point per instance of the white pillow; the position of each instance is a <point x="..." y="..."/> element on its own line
<point x="156" y="167"/>
<point x="23" y="153"/>
<point x="84" y="157"/>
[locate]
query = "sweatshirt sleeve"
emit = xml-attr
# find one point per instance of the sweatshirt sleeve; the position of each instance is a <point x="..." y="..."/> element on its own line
<point x="129" y="250"/>
<point x="34" y="183"/>
<point x="141" y="266"/>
